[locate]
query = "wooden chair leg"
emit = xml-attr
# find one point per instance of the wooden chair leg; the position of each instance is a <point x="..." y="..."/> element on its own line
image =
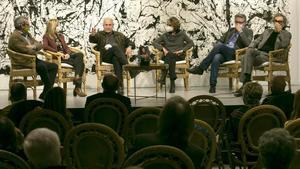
<point x="65" y="86"/>
<point x="230" y="83"/>
<point x="186" y="83"/>
<point x="98" y="78"/>
<point x="34" y="87"/>
<point x="237" y="84"/>
<point x="270" y="77"/>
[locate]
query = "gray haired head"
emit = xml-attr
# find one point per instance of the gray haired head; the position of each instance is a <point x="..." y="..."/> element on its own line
<point x="19" y="21"/>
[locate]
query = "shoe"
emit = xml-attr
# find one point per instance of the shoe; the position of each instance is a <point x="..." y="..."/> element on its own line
<point x="79" y="92"/>
<point x="195" y="70"/>
<point x="239" y="92"/>
<point x="172" y="87"/>
<point x="212" y="89"/>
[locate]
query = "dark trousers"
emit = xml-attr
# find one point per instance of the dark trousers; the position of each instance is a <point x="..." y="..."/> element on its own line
<point x="117" y="57"/>
<point x="218" y="55"/>
<point x="76" y="60"/>
<point x="47" y="72"/>
<point x="171" y="59"/>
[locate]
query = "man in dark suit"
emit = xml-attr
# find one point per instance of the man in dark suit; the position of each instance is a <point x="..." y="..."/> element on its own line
<point x="235" y="38"/>
<point x="110" y="85"/>
<point x="21" y="41"/>
<point x="257" y="53"/>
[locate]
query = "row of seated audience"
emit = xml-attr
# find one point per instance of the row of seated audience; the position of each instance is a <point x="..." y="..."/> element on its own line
<point x="41" y="147"/>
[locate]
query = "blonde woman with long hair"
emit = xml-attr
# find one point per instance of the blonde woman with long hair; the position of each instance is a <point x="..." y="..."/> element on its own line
<point x="54" y="41"/>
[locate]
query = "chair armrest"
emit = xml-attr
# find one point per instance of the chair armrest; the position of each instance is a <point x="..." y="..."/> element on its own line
<point x="280" y="55"/>
<point x="239" y="53"/>
<point x="157" y="53"/>
<point x="20" y="60"/>
<point x="96" y="53"/>
<point x="188" y="54"/>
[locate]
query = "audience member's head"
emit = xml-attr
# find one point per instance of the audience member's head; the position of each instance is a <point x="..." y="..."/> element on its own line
<point x="110" y="82"/>
<point x="55" y="100"/>
<point x="42" y="148"/>
<point x="252" y="93"/>
<point x="18" y="91"/>
<point x="278" y="85"/>
<point x="22" y="23"/>
<point x="8" y="135"/>
<point x="134" y="167"/>
<point x="277" y="149"/>
<point x="174" y="23"/>
<point x="176" y="122"/>
<point x="296" y="109"/>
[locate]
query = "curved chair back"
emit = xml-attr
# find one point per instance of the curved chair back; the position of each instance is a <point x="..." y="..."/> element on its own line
<point x="44" y="118"/>
<point x="294" y="129"/>
<point x="108" y="111"/>
<point x="209" y="109"/>
<point x="94" y="146"/>
<point x="9" y="160"/>
<point x="205" y="138"/>
<point x="140" y="121"/>
<point x="253" y="124"/>
<point x="21" y="108"/>
<point x="160" y="156"/>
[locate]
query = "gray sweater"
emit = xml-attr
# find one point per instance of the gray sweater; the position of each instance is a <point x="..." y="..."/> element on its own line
<point x="173" y="43"/>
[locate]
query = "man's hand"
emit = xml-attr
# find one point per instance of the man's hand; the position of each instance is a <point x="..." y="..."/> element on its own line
<point x="165" y="51"/>
<point x="128" y="51"/>
<point x="178" y="52"/>
<point x="30" y="46"/>
<point x="94" y="31"/>
<point x="239" y="27"/>
<point x="278" y="27"/>
<point x="66" y="56"/>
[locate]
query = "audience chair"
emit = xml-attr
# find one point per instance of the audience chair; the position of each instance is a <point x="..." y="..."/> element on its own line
<point x="140" y="121"/>
<point x="160" y="156"/>
<point x="252" y="125"/>
<point x="102" y="67"/>
<point x="181" y="66"/>
<point x="23" y="66"/>
<point x="21" y="108"/>
<point x="65" y="72"/>
<point x="10" y="160"/>
<point x="205" y="137"/>
<point x="278" y="62"/>
<point x="231" y="69"/>
<point x="94" y="146"/>
<point x="44" y="118"/>
<point x="108" y="111"/>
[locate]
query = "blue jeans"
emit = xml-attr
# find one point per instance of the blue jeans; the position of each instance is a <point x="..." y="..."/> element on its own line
<point x="218" y="55"/>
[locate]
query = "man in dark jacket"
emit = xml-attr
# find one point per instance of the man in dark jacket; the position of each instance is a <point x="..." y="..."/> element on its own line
<point x="235" y="38"/>
<point x="110" y="86"/>
<point x="113" y="46"/>
<point x="21" y="41"/>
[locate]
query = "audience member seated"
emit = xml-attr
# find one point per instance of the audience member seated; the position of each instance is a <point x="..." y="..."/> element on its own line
<point x="277" y="149"/>
<point x="176" y="125"/>
<point x="110" y="85"/>
<point x="11" y="138"/>
<point x="17" y="92"/>
<point x="54" y="41"/>
<point x="280" y="98"/>
<point x="42" y="148"/>
<point x="55" y="100"/>
<point x="296" y="109"/>
<point x="252" y="93"/>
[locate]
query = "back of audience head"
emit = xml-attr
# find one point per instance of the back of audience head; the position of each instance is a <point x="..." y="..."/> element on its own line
<point x="176" y="122"/>
<point x="8" y="135"/>
<point x="252" y="93"/>
<point x="277" y="149"/>
<point x="278" y="85"/>
<point x="42" y="148"/>
<point x="110" y="82"/>
<point x="296" y="108"/>
<point x="18" y="91"/>
<point x="55" y="100"/>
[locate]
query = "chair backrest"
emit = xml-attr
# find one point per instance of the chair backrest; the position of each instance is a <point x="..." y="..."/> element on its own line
<point x="294" y="129"/>
<point x="20" y="60"/>
<point x="209" y="109"/>
<point x="254" y="123"/>
<point x="108" y="111"/>
<point x="9" y="160"/>
<point x="44" y="118"/>
<point x="140" y="121"/>
<point x="160" y="157"/>
<point x="205" y="138"/>
<point x="93" y="146"/>
<point x="21" y="108"/>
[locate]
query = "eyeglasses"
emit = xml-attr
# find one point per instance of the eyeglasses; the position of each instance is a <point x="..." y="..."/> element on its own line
<point x="240" y="22"/>
<point x="279" y="21"/>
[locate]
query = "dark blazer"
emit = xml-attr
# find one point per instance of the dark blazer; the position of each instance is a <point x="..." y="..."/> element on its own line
<point x="243" y="40"/>
<point x="125" y="100"/>
<point x="143" y="140"/>
<point x="100" y="38"/>
<point x="18" y="42"/>
<point x="283" y="39"/>
<point x="49" y="44"/>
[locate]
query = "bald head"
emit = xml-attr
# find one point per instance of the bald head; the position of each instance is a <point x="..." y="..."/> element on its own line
<point x="108" y="24"/>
